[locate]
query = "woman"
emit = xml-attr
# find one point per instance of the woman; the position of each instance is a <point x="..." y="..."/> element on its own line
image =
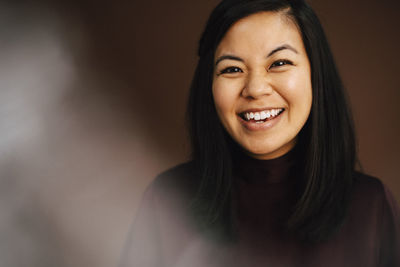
<point x="272" y="181"/>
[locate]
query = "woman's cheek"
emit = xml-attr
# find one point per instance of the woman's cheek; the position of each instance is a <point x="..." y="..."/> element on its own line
<point x="226" y="91"/>
<point x="292" y="87"/>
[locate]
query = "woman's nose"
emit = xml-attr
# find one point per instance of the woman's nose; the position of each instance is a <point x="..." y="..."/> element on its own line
<point x="257" y="85"/>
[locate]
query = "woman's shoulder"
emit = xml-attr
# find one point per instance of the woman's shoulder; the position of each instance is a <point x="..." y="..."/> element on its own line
<point x="369" y="186"/>
<point x="377" y="209"/>
<point x="366" y="181"/>
<point x="180" y="180"/>
<point x="178" y="171"/>
<point x="177" y="175"/>
<point x="372" y="194"/>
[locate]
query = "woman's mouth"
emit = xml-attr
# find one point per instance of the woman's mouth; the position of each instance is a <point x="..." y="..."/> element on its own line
<point x="260" y="120"/>
<point x="261" y="116"/>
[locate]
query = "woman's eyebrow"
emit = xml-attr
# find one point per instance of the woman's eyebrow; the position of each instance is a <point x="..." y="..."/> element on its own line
<point x="228" y="57"/>
<point x="282" y="47"/>
<point x="279" y="48"/>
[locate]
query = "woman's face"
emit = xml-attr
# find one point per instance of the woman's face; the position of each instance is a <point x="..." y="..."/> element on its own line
<point x="262" y="84"/>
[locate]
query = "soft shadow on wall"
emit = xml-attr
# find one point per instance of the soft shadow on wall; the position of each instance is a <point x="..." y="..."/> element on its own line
<point x="92" y="105"/>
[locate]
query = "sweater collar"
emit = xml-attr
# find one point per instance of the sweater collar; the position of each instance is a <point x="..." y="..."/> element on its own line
<point x="258" y="172"/>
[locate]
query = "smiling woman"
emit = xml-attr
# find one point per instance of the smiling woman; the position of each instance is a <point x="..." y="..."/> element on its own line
<point x="272" y="181"/>
<point x="262" y="84"/>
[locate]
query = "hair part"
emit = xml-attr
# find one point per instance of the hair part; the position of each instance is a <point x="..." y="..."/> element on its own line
<point x="327" y="140"/>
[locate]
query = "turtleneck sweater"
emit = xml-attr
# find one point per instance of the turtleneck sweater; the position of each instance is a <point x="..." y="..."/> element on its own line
<point x="265" y="192"/>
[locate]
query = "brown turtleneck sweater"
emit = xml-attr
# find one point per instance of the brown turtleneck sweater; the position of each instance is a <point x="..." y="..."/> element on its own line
<point x="163" y="234"/>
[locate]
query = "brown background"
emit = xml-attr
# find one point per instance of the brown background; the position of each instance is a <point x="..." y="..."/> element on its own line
<point x="92" y="103"/>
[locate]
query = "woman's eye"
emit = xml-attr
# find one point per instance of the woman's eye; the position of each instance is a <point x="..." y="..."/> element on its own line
<point x="231" y="70"/>
<point x="280" y="63"/>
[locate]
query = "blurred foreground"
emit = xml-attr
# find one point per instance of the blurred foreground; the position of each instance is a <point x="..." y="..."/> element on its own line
<point x="74" y="155"/>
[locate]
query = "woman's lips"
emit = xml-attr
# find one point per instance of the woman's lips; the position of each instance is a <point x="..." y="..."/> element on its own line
<point x="261" y="114"/>
<point x="256" y="121"/>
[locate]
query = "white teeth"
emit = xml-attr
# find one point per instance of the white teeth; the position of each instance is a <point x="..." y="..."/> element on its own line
<point x="265" y="114"/>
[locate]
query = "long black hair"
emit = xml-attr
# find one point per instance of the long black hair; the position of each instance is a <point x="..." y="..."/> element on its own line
<point x="327" y="140"/>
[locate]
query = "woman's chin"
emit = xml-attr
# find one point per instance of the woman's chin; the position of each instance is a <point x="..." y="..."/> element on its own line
<point x="269" y="152"/>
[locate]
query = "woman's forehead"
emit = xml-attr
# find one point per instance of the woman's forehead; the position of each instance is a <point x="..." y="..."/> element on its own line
<point x="260" y="32"/>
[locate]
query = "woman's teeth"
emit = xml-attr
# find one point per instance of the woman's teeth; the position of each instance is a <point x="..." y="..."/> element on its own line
<point x="260" y="116"/>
